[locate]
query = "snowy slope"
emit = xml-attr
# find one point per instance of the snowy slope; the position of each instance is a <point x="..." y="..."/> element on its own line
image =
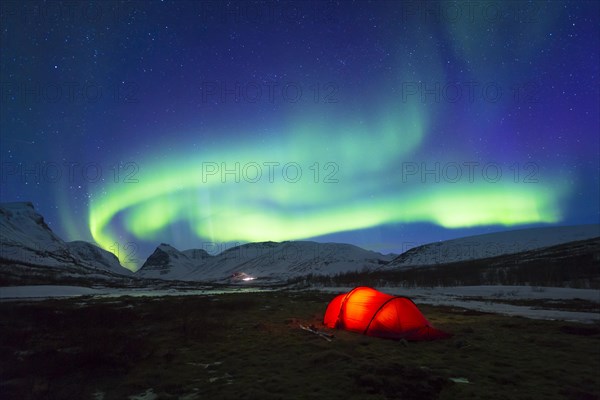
<point x="26" y="240"/>
<point x="492" y="244"/>
<point x="262" y="260"/>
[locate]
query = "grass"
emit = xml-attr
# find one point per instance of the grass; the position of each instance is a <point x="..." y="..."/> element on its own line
<point x="249" y="346"/>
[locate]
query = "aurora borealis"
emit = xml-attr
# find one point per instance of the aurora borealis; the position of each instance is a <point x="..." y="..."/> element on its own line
<point x="374" y="123"/>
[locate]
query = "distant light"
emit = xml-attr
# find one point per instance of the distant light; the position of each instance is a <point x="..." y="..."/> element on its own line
<point x="250" y="278"/>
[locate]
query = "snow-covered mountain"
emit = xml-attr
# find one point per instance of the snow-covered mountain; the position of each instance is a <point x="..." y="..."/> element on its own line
<point x="265" y="260"/>
<point x="492" y="245"/>
<point x="291" y="259"/>
<point x="29" y="247"/>
<point x="26" y="240"/>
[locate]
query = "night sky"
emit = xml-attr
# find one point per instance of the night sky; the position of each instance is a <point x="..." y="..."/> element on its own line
<point x="381" y="124"/>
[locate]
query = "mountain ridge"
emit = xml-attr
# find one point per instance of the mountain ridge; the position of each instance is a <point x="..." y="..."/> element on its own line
<point x="492" y="244"/>
<point x="272" y="260"/>
<point x="27" y="240"/>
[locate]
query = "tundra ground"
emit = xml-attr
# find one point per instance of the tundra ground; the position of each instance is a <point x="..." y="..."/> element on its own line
<point x="249" y="346"/>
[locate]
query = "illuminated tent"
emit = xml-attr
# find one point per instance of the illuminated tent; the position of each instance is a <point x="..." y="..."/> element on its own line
<point x="373" y="313"/>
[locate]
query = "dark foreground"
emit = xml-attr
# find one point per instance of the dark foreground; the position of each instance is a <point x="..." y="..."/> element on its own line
<point x="249" y="346"/>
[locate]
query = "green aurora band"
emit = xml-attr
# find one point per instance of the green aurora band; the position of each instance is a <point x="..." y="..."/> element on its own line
<point x="369" y="191"/>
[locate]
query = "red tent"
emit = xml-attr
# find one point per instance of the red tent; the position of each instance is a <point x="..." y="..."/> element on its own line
<point x="373" y="313"/>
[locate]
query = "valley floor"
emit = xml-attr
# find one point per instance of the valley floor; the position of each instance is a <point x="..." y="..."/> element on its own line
<point x="249" y="345"/>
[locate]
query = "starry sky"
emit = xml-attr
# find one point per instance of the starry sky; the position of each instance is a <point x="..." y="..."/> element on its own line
<point x="382" y="124"/>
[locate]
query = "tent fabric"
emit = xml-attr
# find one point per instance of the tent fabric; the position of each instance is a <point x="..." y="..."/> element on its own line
<point x="368" y="311"/>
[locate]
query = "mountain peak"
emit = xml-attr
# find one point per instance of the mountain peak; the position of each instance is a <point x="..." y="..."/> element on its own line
<point x="166" y="247"/>
<point x="166" y="259"/>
